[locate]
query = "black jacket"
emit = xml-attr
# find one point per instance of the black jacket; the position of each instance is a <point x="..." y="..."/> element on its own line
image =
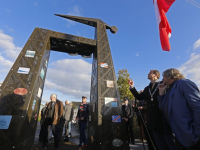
<point x="154" y="114"/>
<point x="127" y="111"/>
<point x="42" y="113"/>
<point x="84" y="113"/>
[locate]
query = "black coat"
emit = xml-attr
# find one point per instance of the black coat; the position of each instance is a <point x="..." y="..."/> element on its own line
<point x="84" y="113"/>
<point x="127" y="111"/>
<point x="154" y="114"/>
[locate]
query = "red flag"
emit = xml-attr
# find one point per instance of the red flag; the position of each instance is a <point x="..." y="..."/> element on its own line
<point x="161" y="7"/>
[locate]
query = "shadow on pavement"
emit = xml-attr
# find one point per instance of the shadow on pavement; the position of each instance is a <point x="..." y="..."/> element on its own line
<point x="74" y="141"/>
<point x="63" y="146"/>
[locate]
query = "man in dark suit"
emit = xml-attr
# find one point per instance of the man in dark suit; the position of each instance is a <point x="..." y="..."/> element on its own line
<point x="164" y="140"/>
<point x="181" y="109"/>
<point x="128" y="118"/>
<point x="67" y="117"/>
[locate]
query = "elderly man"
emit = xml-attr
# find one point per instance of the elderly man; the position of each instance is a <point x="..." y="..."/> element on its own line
<point x="181" y="109"/>
<point x="163" y="139"/>
<point x="67" y="117"/>
<point x="52" y="116"/>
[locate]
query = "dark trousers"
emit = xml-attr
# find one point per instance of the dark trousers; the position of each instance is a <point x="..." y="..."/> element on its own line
<point x="66" y="128"/>
<point x="129" y="129"/>
<point x="41" y="132"/>
<point x="164" y="141"/>
<point x="56" y="134"/>
<point x="150" y="139"/>
<point x="62" y="122"/>
<point x="179" y="146"/>
<point x="82" y="126"/>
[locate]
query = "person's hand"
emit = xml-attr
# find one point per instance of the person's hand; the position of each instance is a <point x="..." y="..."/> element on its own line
<point x="35" y="117"/>
<point x="162" y="87"/>
<point x="140" y="107"/>
<point x="82" y="118"/>
<point x="131" y="83"/>
<point x="125" y="119"/>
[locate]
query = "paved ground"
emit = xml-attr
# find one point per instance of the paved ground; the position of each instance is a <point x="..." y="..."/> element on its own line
<point x="74" y="141"/>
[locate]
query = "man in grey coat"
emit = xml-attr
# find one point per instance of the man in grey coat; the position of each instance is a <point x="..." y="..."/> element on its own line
<point x="67" y="117"/>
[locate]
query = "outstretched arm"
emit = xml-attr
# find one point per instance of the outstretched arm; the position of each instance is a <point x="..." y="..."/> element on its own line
<point x="138" y="96"/>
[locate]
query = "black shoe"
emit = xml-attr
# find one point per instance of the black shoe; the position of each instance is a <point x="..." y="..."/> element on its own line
<point x="66" y="140"/>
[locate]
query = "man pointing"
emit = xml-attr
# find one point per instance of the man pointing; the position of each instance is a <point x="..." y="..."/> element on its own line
<point x="163" y="139"/>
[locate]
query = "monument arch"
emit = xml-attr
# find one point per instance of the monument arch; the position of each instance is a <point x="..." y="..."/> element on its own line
<point x="21" y="91"/>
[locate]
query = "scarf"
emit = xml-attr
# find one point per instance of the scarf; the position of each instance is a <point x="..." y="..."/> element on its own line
<point x="81" y="107"/>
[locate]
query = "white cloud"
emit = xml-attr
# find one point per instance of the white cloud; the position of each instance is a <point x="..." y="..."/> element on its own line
<point x="74" y="11"/>
<point x="196" y="44"/>
<point x="7" y="50"/>
<point x="191" y="69"/>
<point x="5" y="64"/>
<point x="8" y="47"/>
<point x="137" y="54"/>
<point x="70" y="77"/>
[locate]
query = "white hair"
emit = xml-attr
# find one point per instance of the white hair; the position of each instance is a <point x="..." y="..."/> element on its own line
<point x="54" y="95"/>
<point x="67" y="101"/>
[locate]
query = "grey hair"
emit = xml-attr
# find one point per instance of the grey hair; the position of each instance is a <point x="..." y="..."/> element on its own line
<point x="67" y="101"/>
<point x="173" y="73"/>
<point x="54" y="95"/>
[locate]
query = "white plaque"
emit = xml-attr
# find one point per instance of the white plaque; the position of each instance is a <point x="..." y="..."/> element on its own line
<point x="108" y="100"/>
<point x="39" y="92"/>
<point x="30" y="53"/>
<point x="110" y="83"/>
<point x="23" y="70"/>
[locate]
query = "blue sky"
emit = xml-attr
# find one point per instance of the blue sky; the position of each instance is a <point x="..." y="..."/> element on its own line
<point x="136" y="45"/>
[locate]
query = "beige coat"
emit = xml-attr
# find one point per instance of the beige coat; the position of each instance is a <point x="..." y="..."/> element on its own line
<point x="58" y="112"/>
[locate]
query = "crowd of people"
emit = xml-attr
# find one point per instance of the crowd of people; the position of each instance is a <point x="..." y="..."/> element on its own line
<point x="168" y="114"/>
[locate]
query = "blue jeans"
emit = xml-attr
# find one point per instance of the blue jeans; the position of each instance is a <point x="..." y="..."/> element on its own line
<point x="82" y="125"/>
